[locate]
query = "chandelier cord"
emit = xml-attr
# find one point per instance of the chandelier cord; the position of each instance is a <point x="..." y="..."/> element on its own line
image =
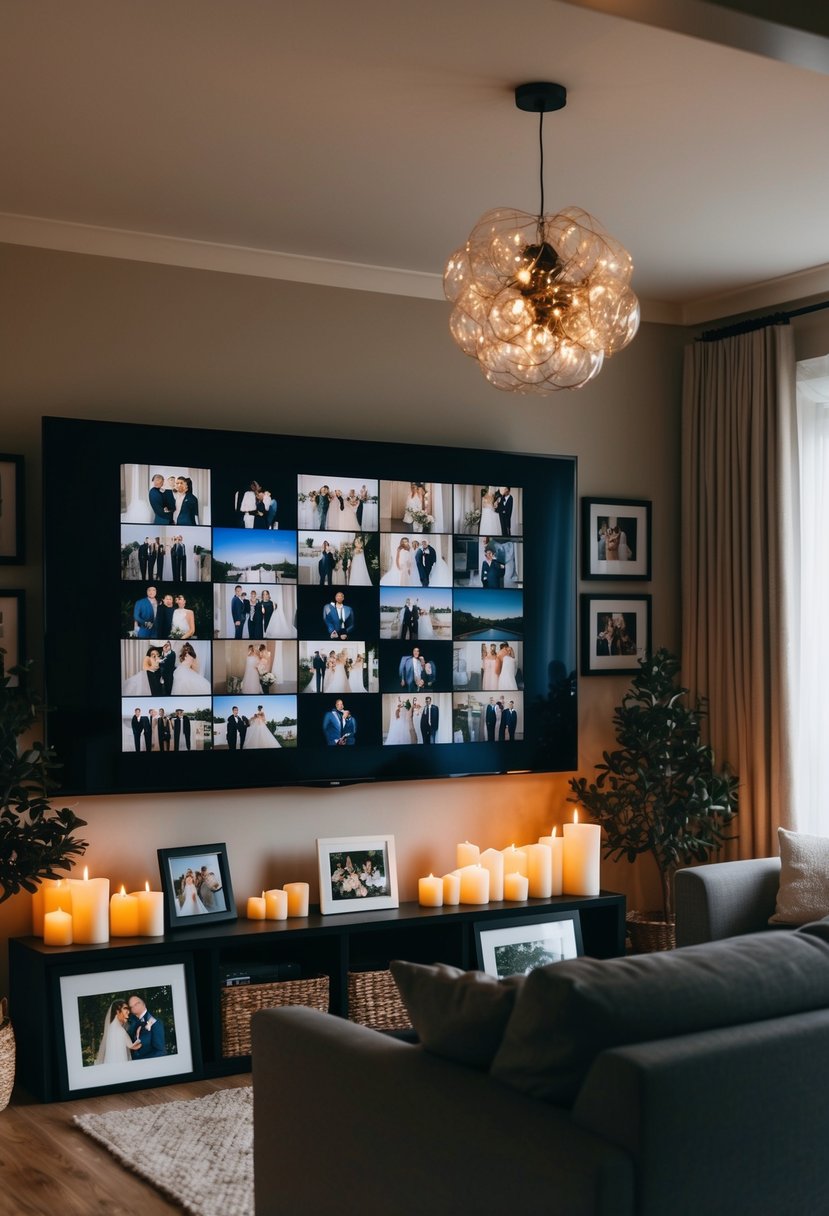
<point x="541" y="161"/>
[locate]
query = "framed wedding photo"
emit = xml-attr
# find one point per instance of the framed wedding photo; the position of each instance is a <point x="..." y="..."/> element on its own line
<point x="12" y="620"/>
<point x="126" y="1028"/>
<point x="506" y="948"/>
<point x="616" y="538"/>
<point x="195" y="879"/>
<point x="615" y="633"/>
<point x="357" y="874"/>
<point x="11" y="511"/>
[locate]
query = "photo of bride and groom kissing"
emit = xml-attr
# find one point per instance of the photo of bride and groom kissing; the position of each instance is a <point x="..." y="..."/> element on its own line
<point x="130" y="1032"/>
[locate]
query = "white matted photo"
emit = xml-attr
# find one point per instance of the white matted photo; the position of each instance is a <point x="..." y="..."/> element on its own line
<point x="616" y="538"/>
<point x="506" y="948"/>
<point x="615" y="633"/>
<point x="126" y="1028"/>
<point x="357" y="873"/>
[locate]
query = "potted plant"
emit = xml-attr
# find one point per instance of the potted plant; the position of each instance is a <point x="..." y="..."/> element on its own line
<point x="659" y="792"/>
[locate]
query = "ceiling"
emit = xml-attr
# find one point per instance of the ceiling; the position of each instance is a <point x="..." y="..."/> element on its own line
<point x="356" y="144"/>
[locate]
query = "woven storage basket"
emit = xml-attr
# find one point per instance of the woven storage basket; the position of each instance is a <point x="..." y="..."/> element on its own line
<point x="238" y="1004"/>
<point x="647" y="932"/>
<point x="6" y="1055"/>
<point x="373" y="1000"/>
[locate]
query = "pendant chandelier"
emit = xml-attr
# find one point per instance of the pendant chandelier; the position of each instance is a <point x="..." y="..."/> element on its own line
<point x="540" y="301"/>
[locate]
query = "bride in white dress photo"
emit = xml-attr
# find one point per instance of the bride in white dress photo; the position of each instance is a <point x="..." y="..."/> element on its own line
<point x="490" y="524"/>
<point x="358" y="575"/>
<point x="278" y="625"/>
<point x="250" y="680"/>
<point x="346" y="518"/>
<point x="399" y="573"/>
<point x="189" y="902"/>
<point x="259" y="735"/>
<point x="400" y="726"/>
<point x="115" y="1041"/>
<point x="187" y="681"/>
<point x="506" y="669"/>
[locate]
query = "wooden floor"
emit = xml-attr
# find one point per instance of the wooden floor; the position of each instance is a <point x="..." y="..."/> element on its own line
<point x="48" y="1167"/>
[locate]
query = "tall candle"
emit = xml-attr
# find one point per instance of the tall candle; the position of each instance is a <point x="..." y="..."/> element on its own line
<point x="150" y="912"/>
<point x="57" y="928"/>
<point x="276" y="904"/>
<point x="493" y="861"/>
<point x="298" y="895"/>
<point x="451" y="889"/>
<point x="556" y="844"/>
<point x="430" y="892"/>
<point x="90" y="910"/>
<point x="516" y="887"/>
<point x="256" y="907"/>
<point x="123" y="915"/>
<point x="467" y="854"/>
<point x="515" y="860"/>
<point x="38" y="908"/>
<point x="540" y="870"/>
<point x="474" y="885"/>
<point x="582" y="857"/>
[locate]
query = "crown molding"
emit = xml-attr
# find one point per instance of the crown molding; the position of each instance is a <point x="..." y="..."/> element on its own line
<point x="771" y="294"/>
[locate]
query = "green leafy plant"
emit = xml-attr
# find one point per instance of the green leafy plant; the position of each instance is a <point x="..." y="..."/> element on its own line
<point x="36" y="841"/>
<point x="660" y="792"/>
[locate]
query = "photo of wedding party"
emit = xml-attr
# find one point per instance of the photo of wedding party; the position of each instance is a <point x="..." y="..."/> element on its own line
<point x="488" y="666"/>
<point x="164" y="724"/>
<point x="415" y="506"/>
<point x="339" y="559"/>
<point x="196" y="883"/>
<point x="246" y="723"/>
<point x="166" y="554"/>
<point x="167" y="610"/>
<point x="241" y="556"/>
<point x="164" y="495"/>
<point x="344" y="667"/>
<point x="410" y="561"/>
<point x="488" y="718"/>
<point x="488" y="615"/>
<point x="254" y="668"/>
<point x="423" y="717"/>
<point x="336" y="504"/>
<point x="254" y="611"/>
<point x="489" y="510"/>
<point x="162" y="668"/>
<point x="489" y="562"/>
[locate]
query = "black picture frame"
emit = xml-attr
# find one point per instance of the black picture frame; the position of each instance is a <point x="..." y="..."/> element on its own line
<point x="633" y="524"/>
<point x="633" y="638"/>
<point x="12" y="510"/>
<point x="82" y="998"/>
<point x="546" y="938"/>
<point x="12" y="631"/>
<point x="173" y="865"/>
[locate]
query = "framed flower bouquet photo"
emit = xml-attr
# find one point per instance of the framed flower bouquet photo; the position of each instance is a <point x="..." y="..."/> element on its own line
<point x="357" y="874"/>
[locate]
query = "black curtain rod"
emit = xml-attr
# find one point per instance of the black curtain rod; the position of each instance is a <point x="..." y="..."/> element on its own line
<point x="747" y="327"/>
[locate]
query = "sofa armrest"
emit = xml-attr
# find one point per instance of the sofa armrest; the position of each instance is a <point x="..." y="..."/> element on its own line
<point x="339" y="1107"/>
<point x="725" y="899"/>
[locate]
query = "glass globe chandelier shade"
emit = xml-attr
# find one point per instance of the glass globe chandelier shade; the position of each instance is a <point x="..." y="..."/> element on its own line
<point x="540" y="301"/>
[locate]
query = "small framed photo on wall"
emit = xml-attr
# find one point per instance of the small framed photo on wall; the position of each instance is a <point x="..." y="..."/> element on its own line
<point x="616" y="538"/>
<point x="11" y="510"/>
<point x="12" y="620"/>
<point x="615" y="633"/>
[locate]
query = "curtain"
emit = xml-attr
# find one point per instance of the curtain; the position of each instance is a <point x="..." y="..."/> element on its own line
<point x="738" y="561"/>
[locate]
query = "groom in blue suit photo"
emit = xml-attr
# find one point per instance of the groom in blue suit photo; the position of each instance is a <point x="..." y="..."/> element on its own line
<point x="338" y="618"/>
<point x="163" y="502"/>
<point x="143" y="614"/>
<point x="145" y="1031"/>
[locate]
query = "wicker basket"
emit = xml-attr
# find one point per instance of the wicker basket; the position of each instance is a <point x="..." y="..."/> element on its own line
<point x="6" y="1055"/>
<point x="373" y="1000"/>
<point x="238" y="1004"/>
<point x="649" y="932"/>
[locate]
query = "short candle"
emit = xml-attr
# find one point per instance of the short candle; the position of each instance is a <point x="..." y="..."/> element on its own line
<point x="276" y="904"/>
<point x="474" y="885"/>
<point x="298" y="896"/>
<point x="256" y="907"/>
<point x="123" y="915"/>
<point x="540" y="870"/>
<point x="430" y="892"/>
<point x="150" y="912"/>
<point x="57" y="928"/>
<point x="451" y="889"/>
<point x="516" y="887"/>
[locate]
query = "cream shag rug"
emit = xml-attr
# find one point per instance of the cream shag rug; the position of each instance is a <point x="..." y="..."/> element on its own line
<point x="199" y="1153"/>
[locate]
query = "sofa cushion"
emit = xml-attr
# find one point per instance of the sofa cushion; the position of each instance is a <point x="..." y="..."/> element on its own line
<point x="457" y="1014"/>
<point x="567" y="1013"/>
<point x="803" y="894"/>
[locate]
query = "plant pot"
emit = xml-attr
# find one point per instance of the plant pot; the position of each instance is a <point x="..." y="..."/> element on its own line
<point x="649" y="931"/>
<point x="6" y="1055"/>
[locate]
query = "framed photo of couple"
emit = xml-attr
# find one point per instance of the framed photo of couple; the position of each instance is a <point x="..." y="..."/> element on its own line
<point x="357" y="874"/>
<point x="615" y="633"/>
<point x="616" y="538"/>
<point x="196" y="883"/>
<point x="126" y="1028"/>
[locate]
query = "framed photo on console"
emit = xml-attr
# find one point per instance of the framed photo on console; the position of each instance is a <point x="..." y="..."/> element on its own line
<point x="196" y="883"/>
<point x="11" y="511"/>
<point x="615" y="633"/>
<point x="505" y="947"/>
<point x="126" y="1028"/>
<point x="357" y="874"/>
<point x="616" y="538"/>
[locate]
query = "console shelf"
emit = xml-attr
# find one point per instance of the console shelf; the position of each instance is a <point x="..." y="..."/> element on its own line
<point x="330" y="945"/>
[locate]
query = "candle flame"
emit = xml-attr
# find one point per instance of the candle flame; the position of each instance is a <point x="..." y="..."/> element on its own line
<point x="263" y="895"/>
<point x="554" y="832"/>
<point x="86" y="873"/>
<point x="147" y="885"/>
<point x="575" y="816"/>
<point x="123" y="891"/>
<point x="431" y="876"/>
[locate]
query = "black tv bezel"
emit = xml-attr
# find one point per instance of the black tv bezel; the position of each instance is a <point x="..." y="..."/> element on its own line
<point x="81" y="465"/>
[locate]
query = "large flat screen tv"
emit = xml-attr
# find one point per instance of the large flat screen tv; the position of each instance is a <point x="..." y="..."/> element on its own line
<point x="227" y="609"/>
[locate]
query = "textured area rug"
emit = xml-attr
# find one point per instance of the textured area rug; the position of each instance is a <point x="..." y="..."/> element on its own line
<point x="199" y="1153"/>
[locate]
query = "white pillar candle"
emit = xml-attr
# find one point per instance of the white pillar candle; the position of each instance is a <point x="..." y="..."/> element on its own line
<point x="516" y="887"/>
<point x="123" y="915"/>
<point x="430" y="892"/>
<point x="556" y="844"/>
<point x="493" y="861"/>
<point x="39" y="907"/>
<point x="540" y="870"/>
<point x="467" y="854"/>
<point x="256" y="907"/>
<point x="150" y="912"/>
<point x="276" y="904"/>
<point x="451" y="889"/>
<point x="582" y="857"/>
<point x="298" y="896"/>
<point x="90" y="910"/>
<point x="515" y="860"/>
<point x="474" y="885"/>
<point x="57" y="928"/>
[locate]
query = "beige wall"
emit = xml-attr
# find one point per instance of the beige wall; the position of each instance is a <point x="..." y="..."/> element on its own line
<point x="98" y="338"/>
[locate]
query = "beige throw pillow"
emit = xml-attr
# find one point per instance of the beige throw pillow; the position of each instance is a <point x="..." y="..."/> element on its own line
<point x="804" y="878"/>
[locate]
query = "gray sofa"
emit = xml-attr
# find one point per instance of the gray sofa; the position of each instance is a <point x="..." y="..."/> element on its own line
<point x="689" y="1083"/>
<point x="725" y="899"/>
